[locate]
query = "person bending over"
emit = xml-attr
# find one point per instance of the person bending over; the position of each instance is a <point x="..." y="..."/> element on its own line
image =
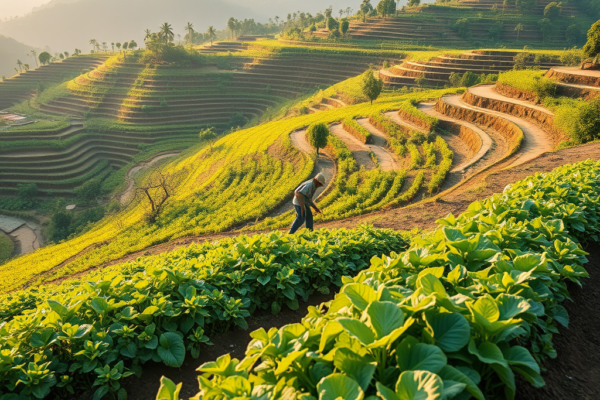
<point x="303" y="202"/>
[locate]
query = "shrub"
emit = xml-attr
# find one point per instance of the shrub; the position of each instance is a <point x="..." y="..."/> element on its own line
<point x="571" y="57"/>
<point x="463" y="28"/>
<point x="521" y="60"/>
<point x="592" y="47"/>
<point x="89" y="191"/>
<point x="579" y="119"/>
<point x="552" y="10"/>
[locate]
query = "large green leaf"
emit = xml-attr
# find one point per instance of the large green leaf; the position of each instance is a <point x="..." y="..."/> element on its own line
<point x="285" y="363"/>
<point x="431" y="284"/>
<point x="510" y="306"/>
<point x="383" y="317"/>
<point x="449" y="331"/>
<point x="449" y="373"/>
<point x="171" y="349"/>
<point x="339" y="386"/>
<point x="488" y="353"/>
<point x="236" y="387"/>
<point x="356" y="366"/>
<point x="415" y="356"/>
<point x="486" y="306"/>
<point x="419" y="385"/>
<point x="358" y="330"/>
<point x="330" y="332"/>
<point x="360" y="295"/>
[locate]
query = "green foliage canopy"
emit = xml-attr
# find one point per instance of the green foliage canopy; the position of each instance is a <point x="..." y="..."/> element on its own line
<point x="317" y="135"/>
<point x="370" y="85"/>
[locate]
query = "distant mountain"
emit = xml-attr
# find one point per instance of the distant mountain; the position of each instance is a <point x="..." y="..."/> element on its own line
<point x="64" y="25"/>
<point x="10" y="52"/>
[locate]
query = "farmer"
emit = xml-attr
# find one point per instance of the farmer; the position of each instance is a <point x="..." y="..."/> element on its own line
<point x="303" y="202"/>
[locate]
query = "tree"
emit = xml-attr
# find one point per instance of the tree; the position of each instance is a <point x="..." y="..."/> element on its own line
<point x="317" y="135"/>
<point x="211" y="32"/>
<point x="44" y="57"/>
<point x="147" y="34"/>
<point x="132" y="45"/>
<point x="61" y="56"/>
<point x="118" y="44"/>
<point x="190" y="32"/>
<point x="463" y="28"/>
<point x="507" y="3"/>
<point x="27" y="191"/>
<point x="66" y="53"/>
<point x="552" y="10"/>
<point x="20" y="65"/>
<point x="371" y="86"/>
<point x="125" y="46"/>
<point x="344" y="26"/>
<point x="89" y="191"/>
<point x="231" y="25"/>
<point x="525" y="5"/>
<point x="518" y="29"/>
<point x="157" y="190"/>
<point x="332" y="24"/>
<point x="166" y="33"/>
<point x="113" y="46"/>
<point x="414" y="3"/>
<point x="93" y="42"/>
<point x="60" y="226"/>
<point x="365" y="9"/>
<point x="546" y="27"/>
<point x="592" y="47"/>
<point x="34" y="55"/>
<point x="209" y="135"/>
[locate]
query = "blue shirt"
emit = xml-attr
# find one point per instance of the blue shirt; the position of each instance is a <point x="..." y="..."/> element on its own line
<point x="307" y="189"/>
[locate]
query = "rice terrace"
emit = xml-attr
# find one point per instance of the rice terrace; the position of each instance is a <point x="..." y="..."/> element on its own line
<point x="293" y="200"/>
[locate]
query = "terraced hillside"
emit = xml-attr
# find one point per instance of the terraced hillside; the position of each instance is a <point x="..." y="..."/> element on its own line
<point x="437" y="71"/>
<point x="20" y="87"/>
<point x="435" y="24"/>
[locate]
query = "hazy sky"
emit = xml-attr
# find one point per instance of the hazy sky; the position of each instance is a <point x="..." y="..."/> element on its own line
<point x="11" y="8"/>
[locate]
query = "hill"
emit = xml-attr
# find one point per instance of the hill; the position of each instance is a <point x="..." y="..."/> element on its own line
<point x="116" y="20"/>
<point x="11" y="51"/>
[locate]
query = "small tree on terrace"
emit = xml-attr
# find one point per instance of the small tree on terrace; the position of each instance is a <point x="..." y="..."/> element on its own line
<point x="212" y="33"/>
<point x="44" y="57"/>
<point x="344" y="26"/>
<point x="232" y="25"/>
<point x="518" y="29"/>
<point x="552" y="10"/>
<point x="118" y="44"/>
<point x="34" y="55"/>
<point x="332" y="24"/>
<point x="190" y="33"/>
<point x="132" y="45"/>
<point x="317" y="135"/>
<point x="208" y="135"/>
<point x="365" y="9"/>
<point x="414" y="3"/>
<point x="525" y="5"/>
<point x="93" y="42"/>
<point x="157" y="190"/>
<point x="371" y="86"/>
<point x="592" y="47"/>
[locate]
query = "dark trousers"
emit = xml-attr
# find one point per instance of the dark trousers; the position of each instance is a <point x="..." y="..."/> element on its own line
<point x="300" y="219"/>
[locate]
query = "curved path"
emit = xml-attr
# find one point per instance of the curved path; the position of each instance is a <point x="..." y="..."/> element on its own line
<point x="387" y="160"/>
<point x="126" y="196"/>
<point x="489" y="92"/>
<point x="536" y="141"/>
<point x="26" y="234"/>
<point x="393" y="115"/>
<point x="486" y="140"/>
<point x="359" y="150"/>
<point x="323" y="164"/>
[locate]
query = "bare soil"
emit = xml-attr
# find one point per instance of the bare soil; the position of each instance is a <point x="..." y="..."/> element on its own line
<point x="387" y="160"/>
<point x="360" y="151"/>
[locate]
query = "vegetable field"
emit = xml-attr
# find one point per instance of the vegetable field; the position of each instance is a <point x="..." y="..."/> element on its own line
<point x="458" y="315"/>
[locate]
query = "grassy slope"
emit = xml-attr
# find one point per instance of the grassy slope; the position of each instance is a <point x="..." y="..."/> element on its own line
<point x="201" y="204"/>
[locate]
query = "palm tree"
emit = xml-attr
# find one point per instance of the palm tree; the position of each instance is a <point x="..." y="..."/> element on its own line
<point x="231" y="25"/>
<point x="190" y="30"/>
<point x="211" y="32"/>
<point x="20" y="65"/>
<point x="518" y="28"/>
<point x="147" y="34"/>
<point x="34" y="55"/>
<point x="113" y="46"/>
<point x="166" y="32"/>
<point x="93" y="42"/>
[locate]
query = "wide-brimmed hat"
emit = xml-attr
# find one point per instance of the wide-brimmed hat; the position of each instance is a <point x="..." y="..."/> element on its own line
<point x="321" y="178"/>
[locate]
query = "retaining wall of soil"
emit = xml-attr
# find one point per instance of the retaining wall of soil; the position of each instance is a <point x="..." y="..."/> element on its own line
<point x="539" y="118"/>
<point x="511" y="132"/>
<point x="577" y="79"/>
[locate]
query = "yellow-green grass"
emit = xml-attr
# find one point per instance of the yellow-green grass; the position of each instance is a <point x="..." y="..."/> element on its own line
<point x="7" y="247"/>
<point x="211" y="197"/>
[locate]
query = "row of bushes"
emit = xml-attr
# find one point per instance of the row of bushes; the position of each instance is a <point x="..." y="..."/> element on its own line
<point x="357" y="130"/>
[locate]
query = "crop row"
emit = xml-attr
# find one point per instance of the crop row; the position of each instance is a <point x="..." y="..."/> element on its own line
<point x="158" y="308"/>
<point x="458" y="315"/>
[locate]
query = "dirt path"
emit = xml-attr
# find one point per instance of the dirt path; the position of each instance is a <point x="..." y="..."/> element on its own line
<point x="324" y="164"/>
<point x="535" y="143"/>
<point x="27" y="235"/>
<point x="489" y="91"/>
<point x="486" y="150"/>
<point x="578" y="71"/>
<point x="359" y="150"/>
<point x="387" y="161"/>
<point x="126" y="196"/>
